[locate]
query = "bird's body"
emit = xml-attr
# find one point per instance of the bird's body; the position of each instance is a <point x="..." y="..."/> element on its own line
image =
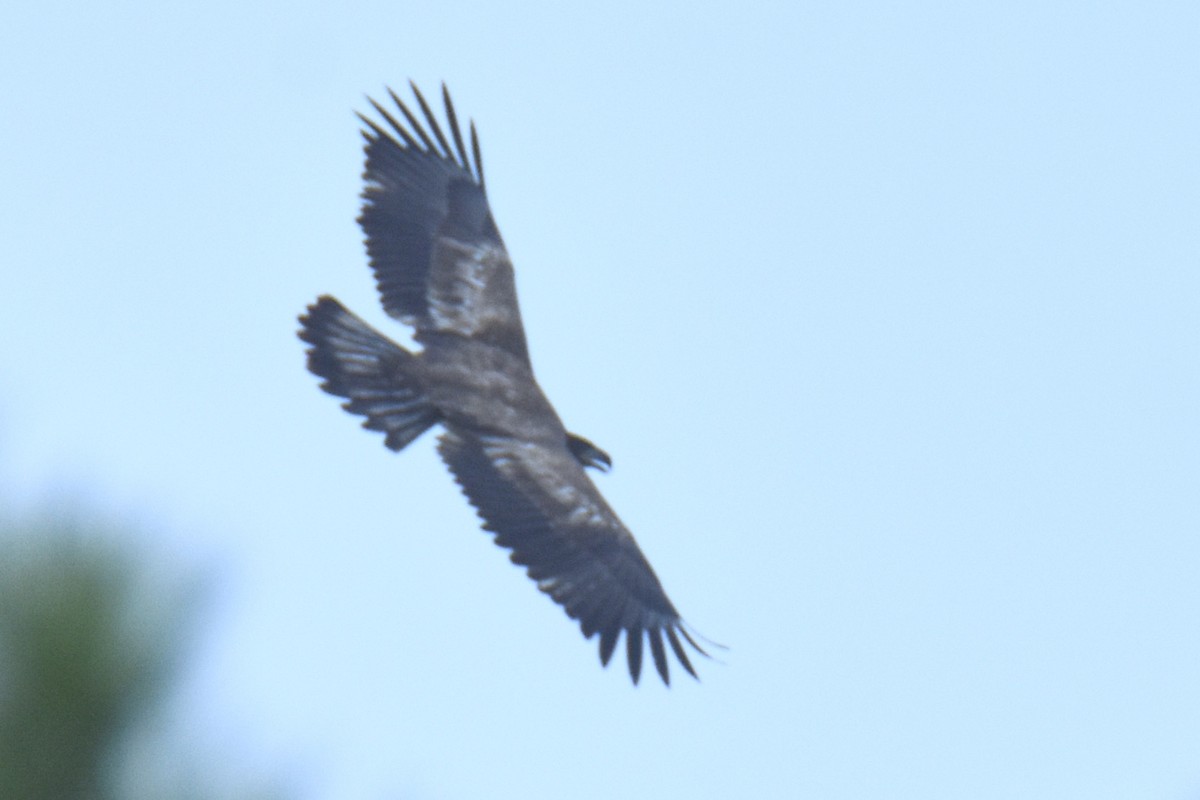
<point x="441" y="268"/>
<point x="485" y="388"/>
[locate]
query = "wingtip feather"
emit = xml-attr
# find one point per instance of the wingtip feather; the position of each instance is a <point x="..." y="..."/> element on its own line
<point x="660" y="655"/>
<point x="455" y="131"/>
<point x="680" y="653"/>
<point x="608" y="643"/>
<point x="633" y="647"/>
<point x="431" y="118"/>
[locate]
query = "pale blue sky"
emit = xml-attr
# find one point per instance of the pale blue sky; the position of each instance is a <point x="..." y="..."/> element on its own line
<point x="888" y="315"/>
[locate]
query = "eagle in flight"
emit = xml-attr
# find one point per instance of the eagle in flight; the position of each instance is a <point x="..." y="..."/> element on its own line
<point x="441" y="268"/>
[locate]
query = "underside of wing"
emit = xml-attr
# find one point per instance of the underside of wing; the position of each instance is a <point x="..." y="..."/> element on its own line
<point x="540" y="504"/>
<point x="439" y="262"/>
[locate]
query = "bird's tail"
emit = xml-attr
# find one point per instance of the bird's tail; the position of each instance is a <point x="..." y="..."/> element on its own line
<point x="370" y="371"/>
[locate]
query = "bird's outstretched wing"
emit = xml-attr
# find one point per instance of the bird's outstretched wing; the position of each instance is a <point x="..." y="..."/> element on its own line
<point x="538" y="501"/>
<point x="439" y="262"/>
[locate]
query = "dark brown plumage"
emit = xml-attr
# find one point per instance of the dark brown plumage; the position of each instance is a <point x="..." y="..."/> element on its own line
<point x="441" y="268"/>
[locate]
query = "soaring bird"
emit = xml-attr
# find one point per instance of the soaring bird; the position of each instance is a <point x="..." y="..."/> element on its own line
<point x="442" y="269"/>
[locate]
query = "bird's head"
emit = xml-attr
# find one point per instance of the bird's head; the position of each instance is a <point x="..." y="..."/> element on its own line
<point x="588" y="454"/>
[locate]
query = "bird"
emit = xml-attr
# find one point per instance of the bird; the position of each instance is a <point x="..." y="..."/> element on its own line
<point x="441" y="268"/>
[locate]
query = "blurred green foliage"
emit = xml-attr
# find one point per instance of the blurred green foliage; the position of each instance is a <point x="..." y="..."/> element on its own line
<point x="93" y="633"/>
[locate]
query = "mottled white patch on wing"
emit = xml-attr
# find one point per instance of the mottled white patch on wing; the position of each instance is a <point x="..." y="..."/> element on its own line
<point x="471" y="290"/>
<point x="558" y="475"/>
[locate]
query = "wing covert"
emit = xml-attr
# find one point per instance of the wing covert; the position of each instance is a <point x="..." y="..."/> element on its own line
<point x="540" y="504"/>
